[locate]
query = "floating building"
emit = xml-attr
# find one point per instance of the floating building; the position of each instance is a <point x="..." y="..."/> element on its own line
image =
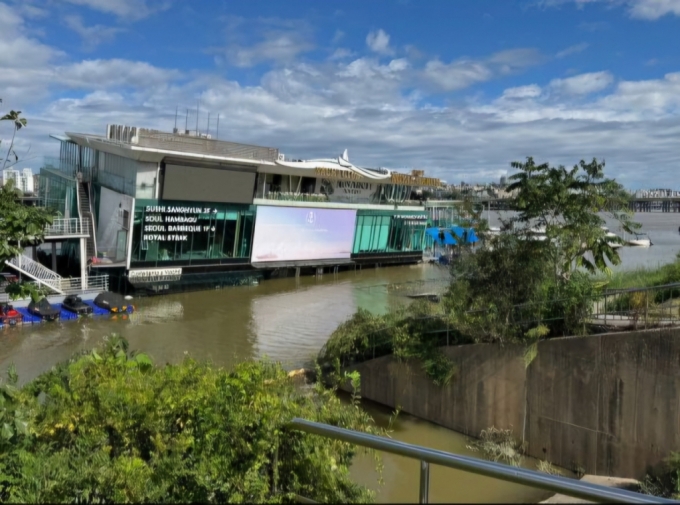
<point x="176" y="211"/>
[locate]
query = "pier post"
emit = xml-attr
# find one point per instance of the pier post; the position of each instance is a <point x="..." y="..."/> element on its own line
<point x="83" y="264"/>
<point x="54" y="256"/>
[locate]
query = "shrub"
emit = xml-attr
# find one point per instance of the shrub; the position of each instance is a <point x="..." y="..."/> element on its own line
<point x="109" y="426"/>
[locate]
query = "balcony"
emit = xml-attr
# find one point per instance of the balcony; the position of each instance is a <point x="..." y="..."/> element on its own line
<point x="67" y="228"/>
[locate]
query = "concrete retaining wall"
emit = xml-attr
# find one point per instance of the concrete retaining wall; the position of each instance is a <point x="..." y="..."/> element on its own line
<point x="607" y="404"/>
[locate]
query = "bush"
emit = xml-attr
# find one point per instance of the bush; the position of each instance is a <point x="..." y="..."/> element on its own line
<point x="109" y="426"/>
<point x="413" y="332"/>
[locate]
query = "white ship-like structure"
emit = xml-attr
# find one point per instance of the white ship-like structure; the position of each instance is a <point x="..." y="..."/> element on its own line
<point x="338" y="179"/>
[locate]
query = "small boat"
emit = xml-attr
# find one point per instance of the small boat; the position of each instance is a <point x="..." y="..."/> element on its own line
<point x="44" y="310"/>
<point x="73" y="303"/>
<point x="9" y="316"/>
<point x="607" y="233"/>
<point x="112" y="302"/>
<point x="640" y="241"/>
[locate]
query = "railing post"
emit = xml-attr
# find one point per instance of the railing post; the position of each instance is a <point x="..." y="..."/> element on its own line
<point x="424" y="496"/>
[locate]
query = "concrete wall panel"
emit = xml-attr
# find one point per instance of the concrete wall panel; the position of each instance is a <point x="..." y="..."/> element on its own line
<point x="606" y="404"/>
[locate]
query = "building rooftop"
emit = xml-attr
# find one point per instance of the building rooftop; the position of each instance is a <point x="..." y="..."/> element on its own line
<point x="152" y="145"/>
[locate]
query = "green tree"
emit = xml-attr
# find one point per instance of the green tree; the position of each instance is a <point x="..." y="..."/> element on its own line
<point x="109" y="426"/>
<point x="18" y="123"/>
<point x="20" y="224"/>
<point x="568" y="203"/>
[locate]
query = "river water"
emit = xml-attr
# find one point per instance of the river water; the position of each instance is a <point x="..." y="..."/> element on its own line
<point x="289" y="320"/>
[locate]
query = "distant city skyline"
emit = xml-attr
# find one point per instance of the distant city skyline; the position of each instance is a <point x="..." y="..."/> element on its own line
<point x="458" y="89"/>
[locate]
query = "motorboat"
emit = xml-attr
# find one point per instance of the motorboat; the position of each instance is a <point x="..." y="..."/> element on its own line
<point x="112" y="302"/>
<point x="44" y="310"/>
<point x="73" y="303"/>
<point x="640" y="241"/>
<point x="607" y="233"/>
<point x="9" y="316"/>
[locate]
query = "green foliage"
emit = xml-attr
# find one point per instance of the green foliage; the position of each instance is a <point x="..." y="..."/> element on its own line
<point x="109" y="426"/>
<point x="21" y="225"/>
<point x="21" y="290"/>
<point x="567" y="203"/>
<point x="498" y="445"/>
<point x="488" y="286"/>
<point x="413" y="332"/>
<point x="664" y="481"/>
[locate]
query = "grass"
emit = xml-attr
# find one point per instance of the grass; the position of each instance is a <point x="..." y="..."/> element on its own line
<point x="645" y="277"/>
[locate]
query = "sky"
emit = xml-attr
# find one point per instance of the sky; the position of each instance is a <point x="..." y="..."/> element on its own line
<point x="459" y="88"/>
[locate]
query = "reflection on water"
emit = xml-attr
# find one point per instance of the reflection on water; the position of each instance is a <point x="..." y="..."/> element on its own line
<point x="290" y="320"/>
<point x="402" y="475"/>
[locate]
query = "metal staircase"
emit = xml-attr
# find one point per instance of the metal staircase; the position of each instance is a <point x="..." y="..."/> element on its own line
<point x="41" y="274"/>
<point x="85" y="210"/>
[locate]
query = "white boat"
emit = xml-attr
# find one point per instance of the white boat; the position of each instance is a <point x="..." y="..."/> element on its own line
<point x="640" y="241"/>
<point x="607" y="233"/>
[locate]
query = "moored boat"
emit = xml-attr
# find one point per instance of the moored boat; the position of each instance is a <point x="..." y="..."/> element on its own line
<point x="112" y="302"/>
<point x="44" y="310"/>
<point x="9" y="316"/>
<point x="73" y="303"/>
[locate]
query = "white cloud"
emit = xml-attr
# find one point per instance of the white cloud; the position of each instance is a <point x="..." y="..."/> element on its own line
<point x="341" y="53"/>
<point x="583" y="84"/>
<point x="520" y="92"/>
<point x="128" y="10"/>
<point x="638" y="9"/>
<point x="92" y="35"/>
<point x="379" y="42"/>
<point x="278" y="40"/>
<point x="654" y="9"/>
<point x="380" y="110"/>
<point x="462" y="73"/>
<point x="578" y="48"/>
<point x="279" y="48"/>
<point x="456" y="75"/>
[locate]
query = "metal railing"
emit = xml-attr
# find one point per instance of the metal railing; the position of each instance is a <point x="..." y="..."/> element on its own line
<point x="612" y="310"/>
<point x="74" y="285"/>
<point x="562" y="485"/>
<point x="66" y="227"/>
<point x="37" y="271"/>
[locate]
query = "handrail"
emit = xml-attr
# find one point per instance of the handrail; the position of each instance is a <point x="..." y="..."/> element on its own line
<point x="562" y="485"/>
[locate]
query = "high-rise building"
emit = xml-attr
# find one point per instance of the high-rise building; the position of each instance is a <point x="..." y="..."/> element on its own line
<point x="26" y="181"/>
<point x="10" y="174"/>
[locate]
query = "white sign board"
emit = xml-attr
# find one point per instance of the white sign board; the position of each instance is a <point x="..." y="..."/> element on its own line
<point x="154" y="275"/>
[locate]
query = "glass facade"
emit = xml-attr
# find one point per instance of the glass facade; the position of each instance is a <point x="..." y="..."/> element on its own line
<point x="74" y="158"/>
<point x="170" y="233"/>
<point x="58" y="193"/>
<point x="389" y="232"/>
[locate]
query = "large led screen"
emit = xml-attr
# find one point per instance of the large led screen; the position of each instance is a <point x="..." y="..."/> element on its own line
<point x="299" y="234"/>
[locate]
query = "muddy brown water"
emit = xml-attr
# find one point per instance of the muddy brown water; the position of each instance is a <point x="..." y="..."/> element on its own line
<point x="289" y="320"/>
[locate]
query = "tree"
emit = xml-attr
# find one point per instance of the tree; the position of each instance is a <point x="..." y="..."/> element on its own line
<point x="18" y="123"/>
<point x="20" y="224"/>
<point x="108" y="426"/>
<point x="568" y="204"/>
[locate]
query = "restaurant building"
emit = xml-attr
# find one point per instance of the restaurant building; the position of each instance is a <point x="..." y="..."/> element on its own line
<point x="178" y="211"/>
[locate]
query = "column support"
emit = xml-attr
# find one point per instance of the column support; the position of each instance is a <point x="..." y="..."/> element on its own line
<point x="83" y="264"/>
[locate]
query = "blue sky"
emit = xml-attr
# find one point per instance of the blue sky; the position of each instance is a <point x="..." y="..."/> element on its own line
<point x="459" y="88"/>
